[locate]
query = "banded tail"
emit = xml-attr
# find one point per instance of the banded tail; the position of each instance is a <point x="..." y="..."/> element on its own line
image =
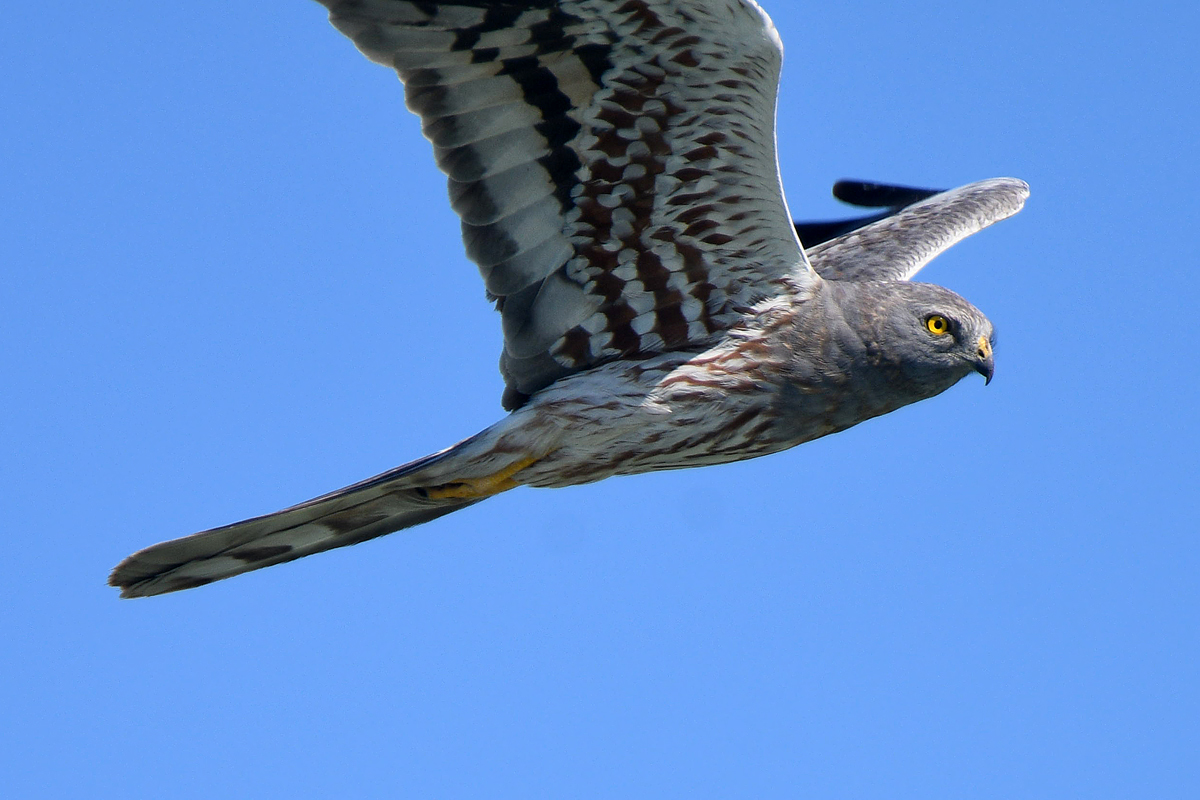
<point x="400" y="498"/>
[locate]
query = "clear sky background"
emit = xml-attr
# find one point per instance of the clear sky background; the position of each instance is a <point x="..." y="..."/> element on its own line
<point x="231" y="281"/>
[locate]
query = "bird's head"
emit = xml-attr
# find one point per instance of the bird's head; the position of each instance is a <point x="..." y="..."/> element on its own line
<point x="923" y="336"/>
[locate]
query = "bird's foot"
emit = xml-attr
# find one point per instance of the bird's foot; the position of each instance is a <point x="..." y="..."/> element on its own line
<point x="478" y="488"/>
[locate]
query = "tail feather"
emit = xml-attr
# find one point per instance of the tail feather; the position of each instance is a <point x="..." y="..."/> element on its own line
<point x="380" y="505"/>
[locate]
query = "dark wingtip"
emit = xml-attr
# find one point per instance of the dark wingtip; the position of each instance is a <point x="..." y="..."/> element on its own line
<point x="864" y="194"/>
<point x="867" y="194"/>
<point x="814" y="233"/>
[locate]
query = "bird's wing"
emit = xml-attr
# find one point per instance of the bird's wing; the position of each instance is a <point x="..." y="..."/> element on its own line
<point x="864" y="194"/>
<point x="897" y="246"/>
<point x="613" y="163"/>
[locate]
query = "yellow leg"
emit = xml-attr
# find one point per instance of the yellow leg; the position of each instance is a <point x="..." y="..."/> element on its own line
<point x="476" y="488"/>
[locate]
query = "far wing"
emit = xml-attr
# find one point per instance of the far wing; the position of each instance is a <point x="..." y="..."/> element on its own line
<point x="613" y="163"/>
<point x="889" y="197"/>
<point x="899" y="245"/>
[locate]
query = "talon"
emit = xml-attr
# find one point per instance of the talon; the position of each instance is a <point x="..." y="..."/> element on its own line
<point x="478" y="488"/>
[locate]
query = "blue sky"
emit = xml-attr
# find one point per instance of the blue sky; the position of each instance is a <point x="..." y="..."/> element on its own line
<point x="232" y="282"/>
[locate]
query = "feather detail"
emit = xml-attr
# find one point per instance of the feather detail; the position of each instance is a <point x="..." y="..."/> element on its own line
<point x="386" y="503"/>
<point x="612" y="161"/>
<point x="897" y="247"/>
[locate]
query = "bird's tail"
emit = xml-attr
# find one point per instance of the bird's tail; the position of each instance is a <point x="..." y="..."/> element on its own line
<point x="400" y="498"/>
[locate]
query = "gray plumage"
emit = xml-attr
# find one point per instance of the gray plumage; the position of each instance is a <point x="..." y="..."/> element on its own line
<point x="613" y="163"/>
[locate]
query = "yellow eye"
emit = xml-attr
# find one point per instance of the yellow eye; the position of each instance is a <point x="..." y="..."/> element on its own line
<point x="937" y="324"/>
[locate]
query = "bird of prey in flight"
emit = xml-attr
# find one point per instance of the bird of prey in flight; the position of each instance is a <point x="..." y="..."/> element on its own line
<point x="614" y="166"/>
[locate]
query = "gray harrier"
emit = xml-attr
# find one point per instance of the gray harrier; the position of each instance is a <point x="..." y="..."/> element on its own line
<point x="613" y="163"/>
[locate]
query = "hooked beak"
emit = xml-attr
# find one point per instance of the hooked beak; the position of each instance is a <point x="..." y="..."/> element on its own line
<point x="983" y="360"/>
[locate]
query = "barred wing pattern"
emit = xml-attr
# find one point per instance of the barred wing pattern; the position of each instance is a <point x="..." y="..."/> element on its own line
<point x="612" y="161"/>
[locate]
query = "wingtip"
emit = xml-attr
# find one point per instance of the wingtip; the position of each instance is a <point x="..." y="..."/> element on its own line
<point x="1021" y="186"/>
<point x="1006" y="196"/>
<point x="989" y="200"/>
<point x="871" y="194"/>
<point x="1015" y="185"/>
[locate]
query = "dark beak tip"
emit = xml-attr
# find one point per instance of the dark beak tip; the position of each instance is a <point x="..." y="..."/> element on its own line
<point x="984" y="364"/>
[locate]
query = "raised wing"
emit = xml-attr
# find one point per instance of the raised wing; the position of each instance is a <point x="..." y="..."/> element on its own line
<point x="897" y="246"/>
<point x="613" y="163"/>
<point x="889" y="197"/>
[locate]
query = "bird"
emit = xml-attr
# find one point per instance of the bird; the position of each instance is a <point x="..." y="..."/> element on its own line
<point x="614" y="166"/>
